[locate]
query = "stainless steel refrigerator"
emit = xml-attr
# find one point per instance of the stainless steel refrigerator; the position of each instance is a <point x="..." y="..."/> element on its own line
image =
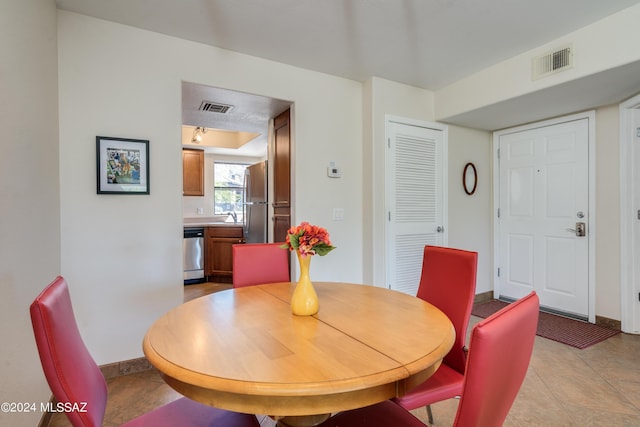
<point x="255" y="203"/>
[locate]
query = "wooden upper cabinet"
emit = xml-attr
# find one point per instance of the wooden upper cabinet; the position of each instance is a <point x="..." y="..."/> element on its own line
<point x="282" y="160"/>
<point x="192" y="172"/>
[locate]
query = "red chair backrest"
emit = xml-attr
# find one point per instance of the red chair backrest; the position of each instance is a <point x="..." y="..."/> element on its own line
<point x="499" y="355"/>
<point x="72" y="374"/>
<point x="448" y="281"/>
<point x="257" y="263"/>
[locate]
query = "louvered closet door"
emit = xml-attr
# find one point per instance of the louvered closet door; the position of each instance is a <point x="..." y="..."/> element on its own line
<point x="415" y="200"/>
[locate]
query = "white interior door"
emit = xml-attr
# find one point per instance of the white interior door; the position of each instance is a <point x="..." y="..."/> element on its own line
<point x="635" y="257"/>
<point x="416" y="200"/>
<point x="630" y="214"/>
<point x="635" y="253"/>
<point x="543" y="196"/>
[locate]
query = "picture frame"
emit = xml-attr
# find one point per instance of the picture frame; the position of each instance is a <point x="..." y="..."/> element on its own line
<point x="122" y="165"/>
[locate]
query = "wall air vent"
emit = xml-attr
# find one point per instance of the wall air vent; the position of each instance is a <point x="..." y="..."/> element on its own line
<point x="215" y="107"/>
<point x="557" y="60"/>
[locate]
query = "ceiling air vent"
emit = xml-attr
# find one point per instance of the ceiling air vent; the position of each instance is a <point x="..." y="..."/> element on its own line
<point x="215" y="107"/>
<point x="552" y="62"/>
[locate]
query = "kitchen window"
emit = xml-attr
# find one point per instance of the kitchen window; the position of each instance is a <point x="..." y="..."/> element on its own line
<point x="228" y="189"/>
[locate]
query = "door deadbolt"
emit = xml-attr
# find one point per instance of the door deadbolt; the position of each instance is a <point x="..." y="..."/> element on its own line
<point x="580" y="229"/>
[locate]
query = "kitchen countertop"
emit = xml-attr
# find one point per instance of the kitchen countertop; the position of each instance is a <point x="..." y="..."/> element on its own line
<point x="209" y="222"/>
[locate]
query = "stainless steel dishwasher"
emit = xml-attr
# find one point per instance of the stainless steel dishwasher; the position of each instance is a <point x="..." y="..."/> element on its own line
<point x="193" y="255"/>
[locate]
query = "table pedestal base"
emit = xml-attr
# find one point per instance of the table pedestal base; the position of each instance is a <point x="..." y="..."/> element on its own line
<point x="302" y="421"/>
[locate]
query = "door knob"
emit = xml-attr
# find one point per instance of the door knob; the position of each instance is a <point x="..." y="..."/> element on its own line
<point x="440" y="229"/>
<point x="580" y="229"/>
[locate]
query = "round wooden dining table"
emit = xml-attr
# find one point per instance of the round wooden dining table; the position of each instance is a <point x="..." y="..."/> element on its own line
<point x="243" y="350"/>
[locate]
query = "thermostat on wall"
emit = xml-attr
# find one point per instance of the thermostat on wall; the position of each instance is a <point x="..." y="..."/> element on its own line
<point x="333" y="171"/>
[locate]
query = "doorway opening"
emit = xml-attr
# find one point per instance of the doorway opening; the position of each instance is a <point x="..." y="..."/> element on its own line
<point x="227" y="142"/>
<point x="231" y="127"/>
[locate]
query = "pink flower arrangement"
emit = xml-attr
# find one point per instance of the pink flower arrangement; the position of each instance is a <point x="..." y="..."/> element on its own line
<point x="308" y="239"/>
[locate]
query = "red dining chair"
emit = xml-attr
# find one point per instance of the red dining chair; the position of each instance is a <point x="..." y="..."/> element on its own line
<point x="448" y="281"/>
<point x="258" y="263"/>
<point x="76" y="380"/>
<point x="499" y="354"/>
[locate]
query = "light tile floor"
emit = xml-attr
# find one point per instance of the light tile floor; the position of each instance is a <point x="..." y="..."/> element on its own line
<point x="597" y="386"/>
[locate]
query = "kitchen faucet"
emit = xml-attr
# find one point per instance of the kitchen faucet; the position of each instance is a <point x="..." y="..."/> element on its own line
<point x="234" y="216"/>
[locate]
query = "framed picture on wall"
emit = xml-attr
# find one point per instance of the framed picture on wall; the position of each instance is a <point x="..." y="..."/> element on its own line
<point x="122" y="165"/>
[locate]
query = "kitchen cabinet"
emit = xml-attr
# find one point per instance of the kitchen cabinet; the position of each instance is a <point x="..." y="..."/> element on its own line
<point x="192" y="172"/>
<point x="282" y="177"/>
<point x="218" y="256"/>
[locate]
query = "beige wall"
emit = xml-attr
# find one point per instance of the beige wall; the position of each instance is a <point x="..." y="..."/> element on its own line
<point x="469" y="217"/>
<point x="123" y="254"/>
<point x="29" y="193"/>
<point x="511" y="79"/>
<point x="608" y="43"/>
<point x="606" y="218"/>
<point x="383" y="97"/>
<point x="470" y="220"/>
<point x="607" y="193"/>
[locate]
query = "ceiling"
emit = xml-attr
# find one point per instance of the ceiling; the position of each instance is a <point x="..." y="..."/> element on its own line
<point x="423" y="43"/>
<point x="248" y="113"/>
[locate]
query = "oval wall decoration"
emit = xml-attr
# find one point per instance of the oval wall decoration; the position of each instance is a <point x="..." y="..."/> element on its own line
<point x="469" y="178"/>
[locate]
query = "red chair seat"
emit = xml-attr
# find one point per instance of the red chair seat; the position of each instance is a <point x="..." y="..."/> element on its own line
<point x="74" y="377"/>
<point x="448" y="281"/>
<point x="384" y="414"/>
<point x="499" y="355"/>
<point x="186" y="412"/>
<point x="442" y="385"/>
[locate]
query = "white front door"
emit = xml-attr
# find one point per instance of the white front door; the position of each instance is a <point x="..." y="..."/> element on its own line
<point x="416" y="200"/>
<point x="630" y="214"/>
<point x="543" y="199"/>
<point x="636" y="235"/>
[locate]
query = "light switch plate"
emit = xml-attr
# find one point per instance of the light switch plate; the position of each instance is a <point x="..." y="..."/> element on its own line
<point x="338" y="214"/>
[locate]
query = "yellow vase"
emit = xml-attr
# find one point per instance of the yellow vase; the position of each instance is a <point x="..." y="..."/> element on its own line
<point x="304" y="301"/>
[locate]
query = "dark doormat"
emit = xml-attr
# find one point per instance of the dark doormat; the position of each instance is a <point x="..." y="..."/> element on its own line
<point x="557" y="328"/>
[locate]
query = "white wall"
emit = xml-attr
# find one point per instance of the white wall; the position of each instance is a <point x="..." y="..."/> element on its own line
<point x="608" y="43"/>
<point x="470" y="217"/>
<point x="608" y="302"/>
<point x="607" y="215"/>
<point x="122" y="254"/>
<point x="29" y="193"/>
<point x="384" y="97"/>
